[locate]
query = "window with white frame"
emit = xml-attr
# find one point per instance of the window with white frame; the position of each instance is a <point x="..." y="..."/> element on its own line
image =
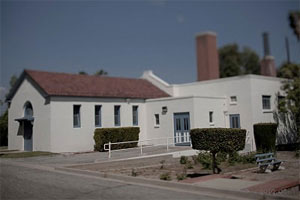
<point x="135" y="115"/>
<point x="156" y="120"/>
<point x="98" y="122"/>
<point x="211" y="117"/>
<point x="76" y="116"/>
<point x="117" y="116"/>
<point x="266" y="102"/>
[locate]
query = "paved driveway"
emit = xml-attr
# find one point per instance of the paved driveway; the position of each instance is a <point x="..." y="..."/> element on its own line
<point x="19" y="182"/>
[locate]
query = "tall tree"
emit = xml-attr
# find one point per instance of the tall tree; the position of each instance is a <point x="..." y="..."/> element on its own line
<point x="249" y="61"/>
<point x="13" y="80"/>
<point x="82" y="73"/>
<point x="234" y="62"/>
<point x="291" y="86"/>
<point x="229" y="60"/>
<point x="101" y="72"/>
<point x="4" y="118"/>
<point x="294" y="19"/>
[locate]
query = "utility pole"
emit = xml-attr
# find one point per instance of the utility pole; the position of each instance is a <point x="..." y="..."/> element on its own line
<point x="287" y="50"/>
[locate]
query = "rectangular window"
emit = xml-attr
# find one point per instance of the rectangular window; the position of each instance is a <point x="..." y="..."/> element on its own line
<point x="156" y="116"/>
<point x="211" y="117"/>
<point x="235" y="121"/>
<point x="266" y="102"/>
<point x="233" y="99"/>
<point x="98" y="115"/>
<point x="117" y="116"/>
<point x="135" y="115"/>
<point x="76" y="116"/>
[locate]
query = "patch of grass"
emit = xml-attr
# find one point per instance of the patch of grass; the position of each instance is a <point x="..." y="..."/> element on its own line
<point x="181" y="176"/>
<point x="165" y="176"/>
<point x="183" y="160"/>
<point x="134" y="172"/>
<point x="26" y="154"/>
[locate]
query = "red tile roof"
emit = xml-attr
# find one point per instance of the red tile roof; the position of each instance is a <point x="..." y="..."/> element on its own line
<point x="62" y="84"/>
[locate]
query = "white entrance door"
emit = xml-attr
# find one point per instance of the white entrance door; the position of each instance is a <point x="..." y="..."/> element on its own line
<point x="182" y="129"/>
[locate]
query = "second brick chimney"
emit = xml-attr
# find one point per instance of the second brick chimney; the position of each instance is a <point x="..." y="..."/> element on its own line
<point x="207" y="56"/>
<point x="267" y="64"/>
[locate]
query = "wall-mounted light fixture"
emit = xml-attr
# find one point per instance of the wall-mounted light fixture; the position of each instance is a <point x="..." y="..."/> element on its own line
<point x="164" y="110"/>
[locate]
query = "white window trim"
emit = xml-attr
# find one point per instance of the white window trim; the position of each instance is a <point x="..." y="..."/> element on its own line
<point x="155" y="124"/>
<point x="266" y="110"/>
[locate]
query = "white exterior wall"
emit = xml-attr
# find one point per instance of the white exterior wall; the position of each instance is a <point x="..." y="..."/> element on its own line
<point x="248" y="89"/>
<point x="197" y="107"/>
<point x="236" y="86"/>
<point x="261" y="87"/>
<point x="41" y="113"/>
<point x="66" y="138"/>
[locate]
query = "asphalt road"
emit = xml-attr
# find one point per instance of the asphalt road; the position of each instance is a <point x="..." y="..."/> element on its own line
<point x="19" y="182"/>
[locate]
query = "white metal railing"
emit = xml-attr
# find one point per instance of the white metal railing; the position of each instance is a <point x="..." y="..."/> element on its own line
<point x="165" y="140"/>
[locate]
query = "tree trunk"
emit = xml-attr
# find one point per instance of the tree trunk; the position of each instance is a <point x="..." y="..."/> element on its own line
<point x="214" y="162"/>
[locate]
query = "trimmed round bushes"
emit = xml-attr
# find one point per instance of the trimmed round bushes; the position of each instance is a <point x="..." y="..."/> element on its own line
<point x="106" y="135"/>
<point x="218" y="139"/>
<point x="265" y="136"/>
<point x="214" y="140"/>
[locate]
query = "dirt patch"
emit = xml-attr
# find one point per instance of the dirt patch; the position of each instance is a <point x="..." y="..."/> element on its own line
<point x="154" y="167"/>
<point x="169" y="168"/>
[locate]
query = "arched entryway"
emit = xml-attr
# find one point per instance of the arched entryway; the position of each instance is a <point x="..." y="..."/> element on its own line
<point x="27" y="123"/>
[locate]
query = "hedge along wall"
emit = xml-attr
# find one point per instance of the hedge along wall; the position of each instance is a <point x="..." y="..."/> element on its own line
<point x="265" y="136"/>
<point x="105" y="135"/>
<point x="218" y="139"/>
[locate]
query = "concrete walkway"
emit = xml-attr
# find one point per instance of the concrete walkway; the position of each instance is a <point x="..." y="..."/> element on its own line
<point x="95" y="157"/>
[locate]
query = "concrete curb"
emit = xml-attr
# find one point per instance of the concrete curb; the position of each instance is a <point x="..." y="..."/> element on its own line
<point x="179" y="186"/>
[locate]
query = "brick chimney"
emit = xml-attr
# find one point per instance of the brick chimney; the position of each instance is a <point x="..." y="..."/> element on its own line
<point x="267" y="64"/>
<point x="207" y="56"/>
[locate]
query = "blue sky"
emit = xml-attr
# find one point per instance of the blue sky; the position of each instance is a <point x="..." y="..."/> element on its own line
<point x="127" y="37"/>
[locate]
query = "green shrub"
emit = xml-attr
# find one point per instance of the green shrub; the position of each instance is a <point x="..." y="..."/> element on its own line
<point x="205" y="160"/>
<point x="4" y="129"/>
<point x="183" y="160"/>
<point x="245" y="159"/>
<point x="181" y="176"/>
<point x="234" y="157"/>
<point x="265" y="136"/>
<point x="165" y="176"/>
<point x="221" y="157"/>
<point x="105" y="135"/>
<point x="134" y="172"/>
<point x="218" y="140"/>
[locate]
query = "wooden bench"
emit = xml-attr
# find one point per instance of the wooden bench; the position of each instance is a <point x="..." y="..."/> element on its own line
<point x="265" y="160"/>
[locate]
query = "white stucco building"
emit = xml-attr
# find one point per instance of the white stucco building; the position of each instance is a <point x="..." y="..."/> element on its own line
<point x="59" y="112"/>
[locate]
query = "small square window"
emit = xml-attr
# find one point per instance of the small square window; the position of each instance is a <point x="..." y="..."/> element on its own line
<point x="266" y="102"/>
<point x="233" y="99"/>
<point x="156" y="116"/>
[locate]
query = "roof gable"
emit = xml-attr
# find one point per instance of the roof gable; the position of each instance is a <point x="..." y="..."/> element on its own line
<point x="63" y="84"/>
